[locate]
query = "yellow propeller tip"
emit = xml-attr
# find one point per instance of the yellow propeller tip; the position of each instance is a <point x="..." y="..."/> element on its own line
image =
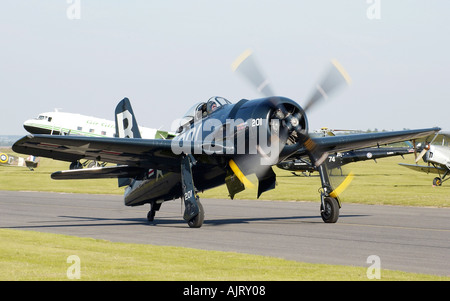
<point x="247" y="183"/>
<point x="335" y="193"/>
<point x="341" y="70"/>
<point x="240" y="59"/>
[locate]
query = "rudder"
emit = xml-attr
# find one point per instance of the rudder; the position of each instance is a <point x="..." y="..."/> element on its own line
<point x="126" y="124"/>
<point x="126" y="127"/>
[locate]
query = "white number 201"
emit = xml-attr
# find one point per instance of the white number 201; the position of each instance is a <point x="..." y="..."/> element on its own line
<point x="256" y="122"/>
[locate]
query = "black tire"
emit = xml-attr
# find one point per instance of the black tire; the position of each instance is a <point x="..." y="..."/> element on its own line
<point x="330" y="214"/>
<point x="197" y="221"/>
<point x="151" y="215"/>
<point x="153" y="208"/>
<point x="437" y="181"/>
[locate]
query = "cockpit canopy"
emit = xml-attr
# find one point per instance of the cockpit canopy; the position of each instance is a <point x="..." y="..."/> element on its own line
<point x="44" y="118"/>
<point x="201" y="110"/>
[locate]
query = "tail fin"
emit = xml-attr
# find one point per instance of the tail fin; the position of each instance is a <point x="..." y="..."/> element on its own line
<point x="126" y="125"/>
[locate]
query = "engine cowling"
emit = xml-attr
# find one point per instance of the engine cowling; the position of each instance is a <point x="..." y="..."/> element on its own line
<point x="271" y="124"/>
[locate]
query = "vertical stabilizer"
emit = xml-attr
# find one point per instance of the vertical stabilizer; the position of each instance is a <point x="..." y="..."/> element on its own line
<point x="126" y="125"/>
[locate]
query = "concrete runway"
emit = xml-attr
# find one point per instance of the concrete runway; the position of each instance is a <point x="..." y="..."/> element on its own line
<point x="405" y="238"/>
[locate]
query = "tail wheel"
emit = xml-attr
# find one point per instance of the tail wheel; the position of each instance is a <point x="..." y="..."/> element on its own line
<point x="153" y="208"/>
<point x="329" y="210"/>
<point x="197" y="221"/>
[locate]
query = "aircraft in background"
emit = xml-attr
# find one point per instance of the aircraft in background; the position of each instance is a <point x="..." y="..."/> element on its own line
<point x="11" y="160"/>
<point x="217" y="143"/>
<point x="325" y="131"/>
<point x="437" y="157"/>
<point x="63" y="123"/>
<point x="336" y="160"/>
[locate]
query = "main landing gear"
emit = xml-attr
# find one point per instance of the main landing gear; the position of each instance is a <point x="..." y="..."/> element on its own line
<point x="439" y="180"/>
<point x="330" y="204"/>
<point x="193" y="213"/>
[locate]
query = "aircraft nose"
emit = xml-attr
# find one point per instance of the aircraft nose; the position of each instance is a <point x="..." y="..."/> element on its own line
<point x="30" y="126"/>
<point x="27" y="126"/>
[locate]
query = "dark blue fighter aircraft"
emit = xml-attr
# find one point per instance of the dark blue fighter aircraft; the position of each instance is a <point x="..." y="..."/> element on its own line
<point x="217" y="143"/>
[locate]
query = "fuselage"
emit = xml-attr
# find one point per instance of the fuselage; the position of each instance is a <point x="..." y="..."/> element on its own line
<point x="438" y="154"/>
<point x="163" y="186"/>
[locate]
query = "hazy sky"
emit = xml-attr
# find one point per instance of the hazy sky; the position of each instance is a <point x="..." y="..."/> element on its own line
<point x="84" y="56"/>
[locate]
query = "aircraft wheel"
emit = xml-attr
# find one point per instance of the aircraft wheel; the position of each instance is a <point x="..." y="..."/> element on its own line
<point x="330" y="213"/>
<point x="197" y="221"/>
<point x="437" y="181"/>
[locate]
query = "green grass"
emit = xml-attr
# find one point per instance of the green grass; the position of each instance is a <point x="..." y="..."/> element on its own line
<point x="28" y="255"/>
<point x="384" y="183"/>
<point x="20" y="178"/>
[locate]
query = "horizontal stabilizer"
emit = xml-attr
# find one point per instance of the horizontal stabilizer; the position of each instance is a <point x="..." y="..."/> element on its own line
<point x="99" y="173"/>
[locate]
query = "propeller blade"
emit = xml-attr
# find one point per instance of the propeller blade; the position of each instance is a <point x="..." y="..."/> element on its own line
<point x="426" y="148"/>
<point x="241" y="176"/>
<point x="340" y="189"/>
<point x="335" y="78"/>
<point x="423" y="152"/>
<point x="246" y="65"/>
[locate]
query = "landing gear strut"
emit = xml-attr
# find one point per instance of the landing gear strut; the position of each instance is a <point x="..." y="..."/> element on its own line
<point x="439" y="180"/>
<point x="193" y="213"/>
<point x="330" y="204"/>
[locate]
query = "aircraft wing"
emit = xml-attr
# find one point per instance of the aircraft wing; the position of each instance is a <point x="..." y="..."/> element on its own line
<point x="427" y="169"/>
<point x="145" y="153"/>
<point x="343" y="143"/>
<point x="158" y="154"/>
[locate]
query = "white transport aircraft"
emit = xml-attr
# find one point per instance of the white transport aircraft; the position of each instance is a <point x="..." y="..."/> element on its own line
<point x="63" y="123"/>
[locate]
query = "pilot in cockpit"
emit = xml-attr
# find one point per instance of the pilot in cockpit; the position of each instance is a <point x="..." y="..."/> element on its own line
<point x="201" y="110"/>
<point x="212" y="106"/>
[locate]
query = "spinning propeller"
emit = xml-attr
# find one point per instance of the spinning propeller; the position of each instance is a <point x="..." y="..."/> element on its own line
<point x="292" y="118"/>
<point x="334" y="78"/>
